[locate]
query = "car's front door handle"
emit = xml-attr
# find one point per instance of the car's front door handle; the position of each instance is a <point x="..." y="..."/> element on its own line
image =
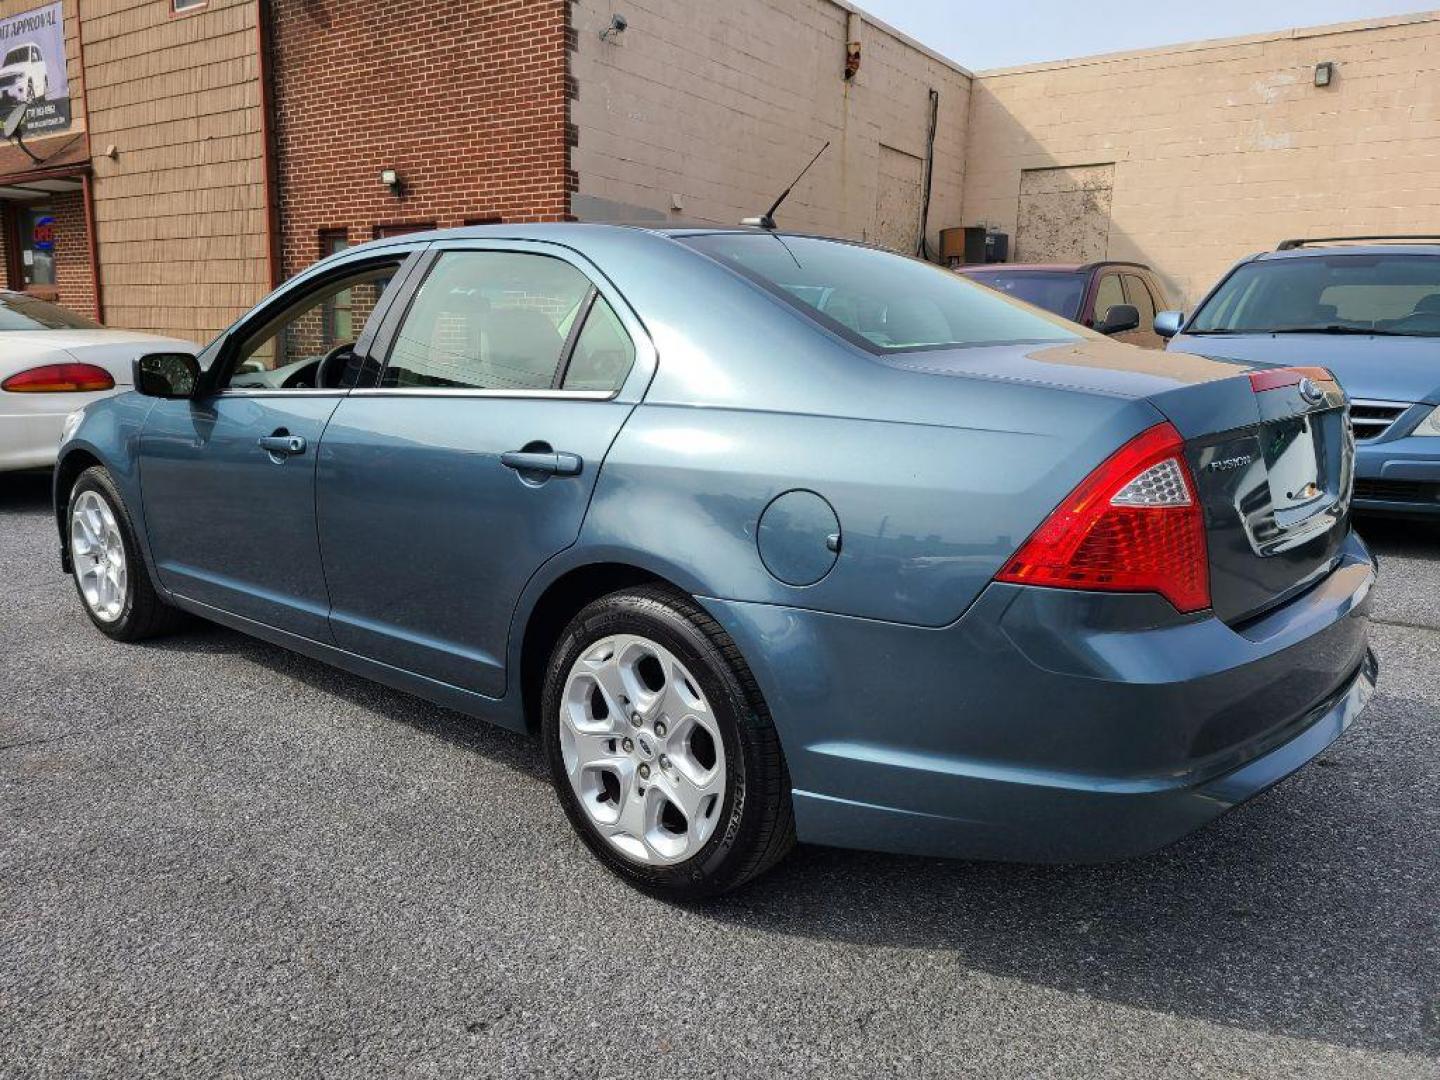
<point x="283" y="445"/>
<point x="552" y="463"/>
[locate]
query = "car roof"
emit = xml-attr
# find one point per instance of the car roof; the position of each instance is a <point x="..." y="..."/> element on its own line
<point x="1309" y="250"/>
<point x="1054" y="268"/>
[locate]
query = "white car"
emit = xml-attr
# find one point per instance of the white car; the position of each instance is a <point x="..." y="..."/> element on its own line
<point x="23" y="74"/>
<point x="52" y="363"/>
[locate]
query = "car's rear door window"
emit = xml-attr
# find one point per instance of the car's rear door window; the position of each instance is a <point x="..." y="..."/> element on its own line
<point x="603" y="352"/>
<point x="489" y="320"/>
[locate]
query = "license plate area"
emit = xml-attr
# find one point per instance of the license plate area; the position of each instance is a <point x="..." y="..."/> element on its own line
<point x="1306" y="477"/>
<point x="1296" y="468"/>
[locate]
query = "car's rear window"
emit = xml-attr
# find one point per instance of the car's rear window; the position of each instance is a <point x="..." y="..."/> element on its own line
<point x="1059" y="291"/>
<point x="20" y="312"/>
<point x="882" y="302"/>
<point x="1381" y="293"/>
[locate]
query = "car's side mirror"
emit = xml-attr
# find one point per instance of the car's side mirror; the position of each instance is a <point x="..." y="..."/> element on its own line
<point x="1168" y="323"/>
<point x="167" y="375"/>
<point x="1118" y="319"/>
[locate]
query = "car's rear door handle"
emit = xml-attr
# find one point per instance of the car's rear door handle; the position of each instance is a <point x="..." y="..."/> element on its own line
<point x="554" y="463"/>
<point x="283" y="445"/>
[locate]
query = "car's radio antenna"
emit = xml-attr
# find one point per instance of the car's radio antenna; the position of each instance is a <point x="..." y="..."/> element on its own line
<point x="767" y="219"/>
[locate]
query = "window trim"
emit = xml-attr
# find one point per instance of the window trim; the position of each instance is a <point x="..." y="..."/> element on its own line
<point x="274" y="307"/>
<point x="181" y="8"/>
<point x="641" y="369"/>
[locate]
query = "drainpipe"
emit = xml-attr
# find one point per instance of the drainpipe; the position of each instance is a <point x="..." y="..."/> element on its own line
<point x="267" y="153"/>
<point x="87" y="190"/>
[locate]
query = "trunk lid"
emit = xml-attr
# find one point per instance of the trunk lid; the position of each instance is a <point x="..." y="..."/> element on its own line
<point x="1273" y="467"/>
<point x="1274" y="485"/>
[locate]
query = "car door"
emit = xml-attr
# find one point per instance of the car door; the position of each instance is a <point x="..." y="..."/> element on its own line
<point x="228" y="477"/>
<point x="508" y="374"/>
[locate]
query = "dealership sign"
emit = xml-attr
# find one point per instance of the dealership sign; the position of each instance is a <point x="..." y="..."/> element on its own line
<point x="32" y="68"/>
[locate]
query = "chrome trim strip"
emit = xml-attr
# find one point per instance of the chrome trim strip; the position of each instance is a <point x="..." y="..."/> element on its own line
<point x="278" y="391"/>
<point x="440" y="391"/>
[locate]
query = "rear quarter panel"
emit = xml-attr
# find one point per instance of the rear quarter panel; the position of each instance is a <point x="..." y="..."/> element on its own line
<point x="928" y="513"/>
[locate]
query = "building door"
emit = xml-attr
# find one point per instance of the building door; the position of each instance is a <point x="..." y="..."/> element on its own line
<point x="1064" y="214"/>
<point x="897" y="201"/>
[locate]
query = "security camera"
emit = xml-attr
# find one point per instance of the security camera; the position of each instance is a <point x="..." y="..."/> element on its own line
<point x="618" y="25"/>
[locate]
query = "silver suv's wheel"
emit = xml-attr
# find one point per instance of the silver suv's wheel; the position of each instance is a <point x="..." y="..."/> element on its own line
<point x="642" y="751"/>
<point x="661" y="747"/>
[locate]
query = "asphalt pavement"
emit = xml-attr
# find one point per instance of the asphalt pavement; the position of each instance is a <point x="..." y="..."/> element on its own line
<point x="218" y="859"/>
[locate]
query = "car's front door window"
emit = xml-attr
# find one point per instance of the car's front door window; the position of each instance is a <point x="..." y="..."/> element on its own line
<point x="1107" y="295"/>
<point x="286" y="351"/>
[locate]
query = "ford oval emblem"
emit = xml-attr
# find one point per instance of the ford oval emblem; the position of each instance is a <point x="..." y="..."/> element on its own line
<point x="1310" y="392"/>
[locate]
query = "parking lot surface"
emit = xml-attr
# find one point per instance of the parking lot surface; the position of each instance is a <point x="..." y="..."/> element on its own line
<point x="221" y="859"/>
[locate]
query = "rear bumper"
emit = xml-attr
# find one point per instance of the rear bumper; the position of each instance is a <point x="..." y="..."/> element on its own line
<point x="1401" y="476"/>
<point x="1052" y="726"/>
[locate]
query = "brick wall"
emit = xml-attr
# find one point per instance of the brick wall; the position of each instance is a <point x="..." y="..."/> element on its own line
<point x="465" y="101"/>
<point x="1223" y="148"/>
<point x="74" y="284"/>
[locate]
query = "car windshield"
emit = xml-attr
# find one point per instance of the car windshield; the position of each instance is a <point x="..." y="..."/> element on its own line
<point x="17" y="56"/>
<point x="20" y="312"/>
<point x="882" y="302"/>
<point x="1396" y="295"/>
<point x="1059" y="291"/>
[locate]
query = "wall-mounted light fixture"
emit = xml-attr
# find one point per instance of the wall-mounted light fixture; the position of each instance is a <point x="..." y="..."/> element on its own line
<point x="1324" y="73"/>
<point x="611" y="33"/>
<point x="391" y="179"/>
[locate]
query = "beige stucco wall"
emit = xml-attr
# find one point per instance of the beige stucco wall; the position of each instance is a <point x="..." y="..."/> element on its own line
<point x="722" y="104"/>
<point x="180" y="208"/>
<point x="1224" y="148"/>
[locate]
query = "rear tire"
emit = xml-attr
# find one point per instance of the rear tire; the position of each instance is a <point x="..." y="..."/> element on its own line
<point x="636" y="691"/>
<point x="107" y="567"/>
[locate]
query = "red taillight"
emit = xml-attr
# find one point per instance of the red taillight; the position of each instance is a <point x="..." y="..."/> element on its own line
<point x="59" y="378"/>
<point x="1133" y="525"/>
<point x="1274" y="378"/>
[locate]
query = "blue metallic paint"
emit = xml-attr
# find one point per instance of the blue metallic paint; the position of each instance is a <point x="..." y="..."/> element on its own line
<point x="921" y="706"/>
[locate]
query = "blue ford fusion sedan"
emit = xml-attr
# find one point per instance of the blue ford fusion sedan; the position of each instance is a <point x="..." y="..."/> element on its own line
<point x="767" y="537"/>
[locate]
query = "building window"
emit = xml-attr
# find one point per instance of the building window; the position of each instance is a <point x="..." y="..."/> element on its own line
<point x="181" y="7"/>
<point x="401" y="228"/>
<point x="36" y="226"/>
<point x="337" y="312"/>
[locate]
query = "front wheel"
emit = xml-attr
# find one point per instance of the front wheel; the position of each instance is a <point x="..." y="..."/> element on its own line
<point x="661" y="749"/>
<point x="109" y="572"/>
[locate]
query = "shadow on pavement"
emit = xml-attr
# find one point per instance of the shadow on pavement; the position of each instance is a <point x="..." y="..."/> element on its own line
<point x="1312" y="912"/>
<point x="24" y="492"/>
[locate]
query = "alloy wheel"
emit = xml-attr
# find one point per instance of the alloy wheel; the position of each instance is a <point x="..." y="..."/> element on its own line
<point x="642" y="749"/>
<point x="98" y="554"/>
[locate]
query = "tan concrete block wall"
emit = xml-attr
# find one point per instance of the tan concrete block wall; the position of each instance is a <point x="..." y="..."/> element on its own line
<point x="722" y="104"/>
<point x="180" y="211"/>
<point x="1225" y="148"/>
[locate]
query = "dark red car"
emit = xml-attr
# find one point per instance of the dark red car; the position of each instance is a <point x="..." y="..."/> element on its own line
<point x="1115" y="298"/>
